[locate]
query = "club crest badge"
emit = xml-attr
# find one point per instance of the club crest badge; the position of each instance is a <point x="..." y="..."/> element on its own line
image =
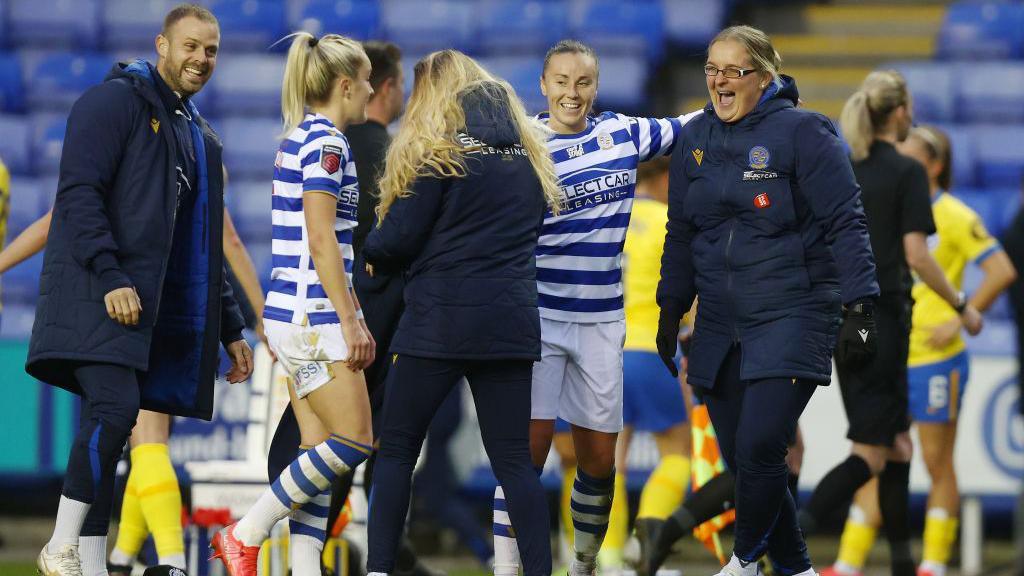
<point x="759" y="157"/>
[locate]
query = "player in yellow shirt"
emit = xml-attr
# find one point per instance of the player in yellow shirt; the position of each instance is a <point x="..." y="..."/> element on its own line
<point x="938" y="364"/>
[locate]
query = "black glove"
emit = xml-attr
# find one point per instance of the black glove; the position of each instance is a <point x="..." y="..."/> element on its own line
<point x="668" y="337"/>
<point x="858" y="337"/>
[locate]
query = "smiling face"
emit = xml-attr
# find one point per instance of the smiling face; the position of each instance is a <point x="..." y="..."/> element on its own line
<point x="188" y="54"/>
<point x="734" y="98"/>
<point x="355" y="93"/>
<point x="570" y="84"/>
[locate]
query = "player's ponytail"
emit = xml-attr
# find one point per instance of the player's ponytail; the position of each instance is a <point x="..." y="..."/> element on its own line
<point x="868" y="110"/>
<point x="312" y="67"/>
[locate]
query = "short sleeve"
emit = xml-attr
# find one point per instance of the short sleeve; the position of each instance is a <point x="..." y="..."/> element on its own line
<point x="325" y="161"/>
<point x="975" y="241"/>
<point x="916" y="203"/>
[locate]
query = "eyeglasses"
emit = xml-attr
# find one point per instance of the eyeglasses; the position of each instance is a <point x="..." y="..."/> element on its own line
<point x="712" y="70"/>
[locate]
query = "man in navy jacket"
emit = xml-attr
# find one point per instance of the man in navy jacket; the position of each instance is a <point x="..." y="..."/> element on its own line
<point x="133" y="298"/>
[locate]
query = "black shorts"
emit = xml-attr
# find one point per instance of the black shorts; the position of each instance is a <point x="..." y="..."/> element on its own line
<point x="875" y="395"/>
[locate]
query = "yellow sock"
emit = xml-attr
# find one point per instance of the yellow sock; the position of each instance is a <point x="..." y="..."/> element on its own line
<point x="939" y="535"/>
<point x="159" y="497"/>
<point x="568" y="478"/>
<point x="618" y="523"/>
<point x="664" y="490"/>
<point x="132" y="530"/>
<point x="856" y="543"/>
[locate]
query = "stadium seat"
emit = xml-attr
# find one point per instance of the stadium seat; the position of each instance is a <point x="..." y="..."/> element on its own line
<point x="17" y="317"/>
<point x="250" y="146"/>
<point x="12" y="88"/>
<point x="249" y="203"/>
<point x="975" y="30"/>
<point x="359" y="19"/>
<point x="523" y="73"/>
<point x="261" y="260"/>
<point x="15" y="144"/>
<point x="1000" y="154"/>
<point x="425" y="25"/>
<point x="55" y="80"/>
<point x="933" y="86"/>
<point x="29" y="201"/>
<point x="620" y="28"/>
<point x="249" y="24"/>
<point x="517" y="27"/>
<point x="47" y="142"/>
<point x="964" y="155"/>
<point x="693" y="23"/>
<point x="54" y="23"/>
<point x="985" y="204"/>
<point x="990" y="92"/>
<point x="623" y="84"/>
<point x="130" y="24"/>
<point x="247" y="84"/>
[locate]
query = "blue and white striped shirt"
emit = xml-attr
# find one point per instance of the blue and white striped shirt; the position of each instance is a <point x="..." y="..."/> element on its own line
<point x="315" y="157"/>
<point x="579" y="253"/>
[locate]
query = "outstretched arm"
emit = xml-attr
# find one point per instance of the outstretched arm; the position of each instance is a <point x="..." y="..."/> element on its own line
<point x="27" y="244"/>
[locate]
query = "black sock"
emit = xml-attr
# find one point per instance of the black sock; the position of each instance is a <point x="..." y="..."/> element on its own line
<point x="794" y="488"/>
<point x="894" y="501"/>
<point x="838" y="486"/>
<point x="716" y="496"/>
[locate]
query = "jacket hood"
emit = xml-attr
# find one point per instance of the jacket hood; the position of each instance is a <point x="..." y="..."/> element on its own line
<point x="488" y="117"/>
<point x="140" y="74"/>
<point x="774" y="98"/>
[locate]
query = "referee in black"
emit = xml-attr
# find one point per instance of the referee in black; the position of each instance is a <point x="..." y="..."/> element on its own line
<point x="897" y="204"/>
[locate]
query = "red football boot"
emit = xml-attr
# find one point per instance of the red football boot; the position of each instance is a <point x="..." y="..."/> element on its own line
<point x="238" y="559"/>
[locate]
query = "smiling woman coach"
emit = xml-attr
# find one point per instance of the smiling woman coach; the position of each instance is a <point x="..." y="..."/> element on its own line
<point x="761" y="195"/>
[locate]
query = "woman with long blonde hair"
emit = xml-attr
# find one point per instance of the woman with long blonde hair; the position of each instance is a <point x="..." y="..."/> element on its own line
<point x="465" y="188"/>
<point x="312" y="317"/>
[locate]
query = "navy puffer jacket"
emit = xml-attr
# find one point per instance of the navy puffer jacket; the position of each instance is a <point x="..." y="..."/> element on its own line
<point x="468" y="247"/>
<point x="767" y="227"/>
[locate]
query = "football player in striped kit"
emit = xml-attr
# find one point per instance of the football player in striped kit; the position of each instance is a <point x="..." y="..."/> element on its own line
<point x="579" y="285"/>
<point x="312" y="317"/>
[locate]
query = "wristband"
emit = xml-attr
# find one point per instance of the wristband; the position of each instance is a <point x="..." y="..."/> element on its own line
<point x="961" y="303"/>
<point x="359" y="314"/>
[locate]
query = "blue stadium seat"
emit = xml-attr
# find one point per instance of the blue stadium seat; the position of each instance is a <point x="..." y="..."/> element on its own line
<point x="29" y="201"/>
<point x="5" y="19"/>
<point x="250" y="146"/>
<point x="247" y="84"/>
<point x="12" y="86"/>
<point x="623" y="84"/>
<point x="261" y="260"/>
<point x="359" y="19"/>
<point x="974" y="30"/>
<point x="933" y="86"/>
<point x="1000" y="154"/>
<point x="990" y="92"/>
<point x="1008" y="201"/>
<point x="55" y="23"/>
<point x="964" y="155"/>
<point x="47" y="142"/>
<point x="55" y="80"/>
<point x="130" y="24"/>
<point x="424" y="25"/>
<point x="514" y="26"/>
<point x="17" y="319"/>
<point x="985" y="204"/>
<point x="693" y="23"/>
<point x="249" y="24"/>
<point x="523" y="73"/>
<point x="249" y="204"/>
<point x="15" y="141"/>
<point x="619" y="28"/>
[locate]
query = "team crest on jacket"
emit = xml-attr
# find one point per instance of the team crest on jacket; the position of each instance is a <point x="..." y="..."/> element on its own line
<point x="330" y="158"/>
<point x="605" y="141"/>
<point x="759" y="157"/>
<point x="698" y="155"/>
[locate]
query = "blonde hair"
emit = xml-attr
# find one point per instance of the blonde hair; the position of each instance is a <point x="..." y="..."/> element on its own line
<point x="869" y="108"/>
<point x="758" y="45"/>
<point x="426" y="143"/>
<point x="313" y="66"/>
<point x="937" y="145"/>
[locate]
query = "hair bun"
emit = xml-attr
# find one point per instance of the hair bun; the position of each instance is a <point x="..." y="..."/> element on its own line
<point x="313" y="40"/>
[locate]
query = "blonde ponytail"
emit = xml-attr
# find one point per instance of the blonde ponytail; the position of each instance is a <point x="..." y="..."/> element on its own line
<point x="311" y="69"/>
<point x="868" y="110"/>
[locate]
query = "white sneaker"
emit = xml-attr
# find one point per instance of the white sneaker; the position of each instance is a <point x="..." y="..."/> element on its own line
<point x="736" y="568"/>
<point x="64" y="562"/>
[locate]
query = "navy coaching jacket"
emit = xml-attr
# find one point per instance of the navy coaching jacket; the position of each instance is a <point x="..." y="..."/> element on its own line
<point x="767" y="227"/>
<point x="117" y="222"/>
<point x="468" y="244"/>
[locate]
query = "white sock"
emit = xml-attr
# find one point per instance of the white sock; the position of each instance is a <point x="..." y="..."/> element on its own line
<point x="305" y="552"/>
<point x="70" y="517"/>
<point x="506" y="550"/>
<point x="176" y="560"/>
<point x="119" y="558"/>
<point x="377" y="574"/>
<point x="255" y="526"/>
<point x="92" y="550"/>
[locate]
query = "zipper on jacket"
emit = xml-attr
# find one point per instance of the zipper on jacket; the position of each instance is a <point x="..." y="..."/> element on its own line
<point x="728" y="242"/>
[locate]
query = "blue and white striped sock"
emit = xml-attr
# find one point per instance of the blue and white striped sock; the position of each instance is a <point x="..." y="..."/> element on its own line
<point x="305" y="478"/>
<point x="506" y="550"/>
<point x="307" y="528"/>
<point x="591" y="506"/>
